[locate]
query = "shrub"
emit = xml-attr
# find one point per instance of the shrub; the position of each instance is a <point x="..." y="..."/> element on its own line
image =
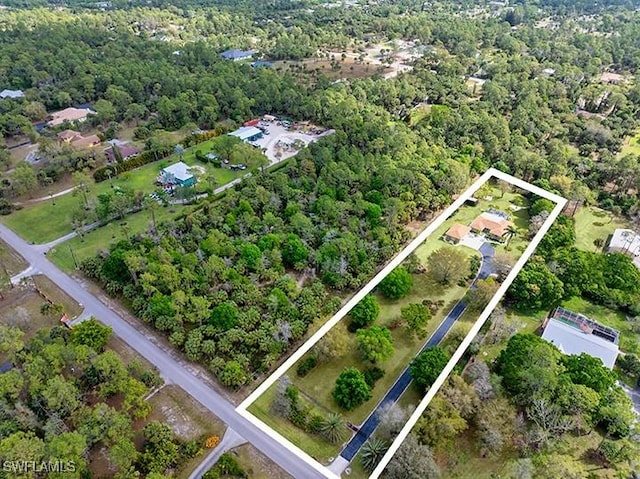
<point x="307" y="365"/>
<point x="372" y="375"/>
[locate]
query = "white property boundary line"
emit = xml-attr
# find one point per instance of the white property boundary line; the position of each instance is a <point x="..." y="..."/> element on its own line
<point x="446" y="214"/>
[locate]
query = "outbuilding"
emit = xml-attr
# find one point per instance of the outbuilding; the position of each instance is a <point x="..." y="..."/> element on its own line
<point x="247" y="133"/>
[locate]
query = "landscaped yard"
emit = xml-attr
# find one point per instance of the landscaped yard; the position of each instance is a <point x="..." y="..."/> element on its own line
<point x="320" y="381"/>
<point x="593" y="224"/>
<point x="50" y="219"/>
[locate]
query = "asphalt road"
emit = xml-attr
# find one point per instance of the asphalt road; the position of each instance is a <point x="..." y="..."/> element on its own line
<point x="402" y="383"/>
<point x="170" y="369"/>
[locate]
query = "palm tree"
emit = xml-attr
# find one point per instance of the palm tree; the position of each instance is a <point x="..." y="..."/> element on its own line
<point x="333" y="428"/>
<point x="371" y="453"/>
<point x="509" y="235"/>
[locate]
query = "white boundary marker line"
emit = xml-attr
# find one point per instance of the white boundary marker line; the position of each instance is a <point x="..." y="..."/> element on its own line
<point x="560" y="204"/>
<point x="412" y="246"/>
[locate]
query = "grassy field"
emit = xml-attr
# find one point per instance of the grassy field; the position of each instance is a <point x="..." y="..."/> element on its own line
<point x="593" y="224"/>
<point x="316" y="447"/>
<point x="102" y="238"/>
<point x="631" y="145"/>
<point x="47" y="220"/>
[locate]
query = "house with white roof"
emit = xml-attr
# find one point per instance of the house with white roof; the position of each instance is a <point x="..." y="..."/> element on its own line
<point x="11" y="94"/>
<point x="247" y="133"/>
<point x="178" y="174"/>
<point x="627" y="242"/>
<point x="573" y="334"/>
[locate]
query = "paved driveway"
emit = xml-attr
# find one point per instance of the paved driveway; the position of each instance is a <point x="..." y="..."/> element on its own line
<point x="402" y="383"/>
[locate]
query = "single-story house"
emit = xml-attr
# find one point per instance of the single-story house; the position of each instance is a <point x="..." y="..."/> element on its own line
<point x="126" y="152"/>
<point x="178" y="174"/>
<point x="574" y="333"/>
<point x="69" y="135"/>
<point x="69" y="114"/>
<point x="86" y="141"/>
<point x="237" y="55"/>
<point x="456" y="233"/>
<point x="11" y="94"/>
<point x="626" y="242"/>
<point x="76" y="139"/>
<point x="247" y="133"/>
<point x="492" y="223"/>
<point x="211" y="156"/>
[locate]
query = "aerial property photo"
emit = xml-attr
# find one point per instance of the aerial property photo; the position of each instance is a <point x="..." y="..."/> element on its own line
<point x="392" y="342"/>
<point x="320" y="239"/>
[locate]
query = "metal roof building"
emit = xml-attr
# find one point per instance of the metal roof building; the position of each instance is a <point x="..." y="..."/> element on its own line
<point x="247" y="133"/>
<point x="574" y="333"/>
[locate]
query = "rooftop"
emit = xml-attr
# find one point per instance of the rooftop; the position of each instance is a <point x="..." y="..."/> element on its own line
<point x="11" y="94"/>
<point x="574" y="333"/>
<point x="497" y="222"/>
<point x="69" y="114"/>
<point x="246" y="132"/>
<point x="236" y="54"/>
<point x="625" y="240"/>
<point x="180" y="171"/>
<point x="458" y="231"/>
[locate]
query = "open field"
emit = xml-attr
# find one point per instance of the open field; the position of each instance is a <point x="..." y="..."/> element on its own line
<point x="593" y="224"/>
<point x="631" y="145"/>
<point x="349" y="68"/>
<point x="21" y="308"/>
<point x="103" y="237"/>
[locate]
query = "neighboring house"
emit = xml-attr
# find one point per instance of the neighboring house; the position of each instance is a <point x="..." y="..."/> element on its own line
<point x="86" y="141"/>
<point x="573" y="333"/>
<point x="494" y="224"/>
<point x="626" y="242"/>
<point x="69" y="114"/>
<point x="238" y="55"/>
<point x="126" y="152"/>
<point x="178" y="174"/>
<point x="69" y="135"/>
<point x="4" y="94"/>
<point x="247" y="133"/>
<point x="456" y="233"/>
<point x="611" y="78"/>
<point x="76" y="139"/>
<point x="549" y="72"/>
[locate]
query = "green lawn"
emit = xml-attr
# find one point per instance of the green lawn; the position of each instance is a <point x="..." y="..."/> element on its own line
<point x="319" y="382"/>
<point x="593" y="224"/>
<point x="44" y="221"/>
<point x="631" y="145"/>
<point x="315" y="446"/>
<point x="101" y="238"/>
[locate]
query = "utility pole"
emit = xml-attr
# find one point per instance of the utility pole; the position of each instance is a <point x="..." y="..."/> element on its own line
<point x="73" y="256"/>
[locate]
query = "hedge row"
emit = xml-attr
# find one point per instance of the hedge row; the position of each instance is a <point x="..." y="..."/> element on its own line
<point x="149" y="156"/>
<point x="114" y="169"/>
